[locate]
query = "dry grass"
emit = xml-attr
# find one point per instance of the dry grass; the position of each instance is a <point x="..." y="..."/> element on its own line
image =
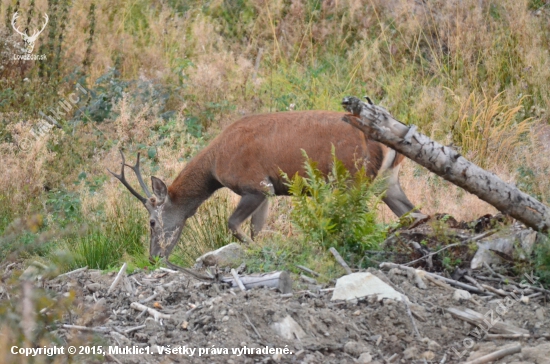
<point x="472" y="73"/>
<point x="487" y="130"/>
<point x="435" y="195"/>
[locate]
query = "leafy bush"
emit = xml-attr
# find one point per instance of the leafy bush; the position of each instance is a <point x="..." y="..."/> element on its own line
<point x="334" y="210"/>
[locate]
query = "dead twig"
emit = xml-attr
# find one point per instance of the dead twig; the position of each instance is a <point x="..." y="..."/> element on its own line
<point x="150" y="298"/>
<point x="190" y="272"/>
<point x="238" y="280"/>
<point x="462" y="243"/>
<point x="253" y="327"/>
<point x="517" y="336"/>
<point x="404" y="299"/>
<point x="73" y="271"/>
<point x="132" y="329"/>
<point x="308" y="279"/>
<point x="496" y="355"/>
<point x="86" y="328"/>
<point x="340" y="260"/>
<point x="307" y="270"/>
<point x="156" y="315"/>
<point x="119" y="276"/>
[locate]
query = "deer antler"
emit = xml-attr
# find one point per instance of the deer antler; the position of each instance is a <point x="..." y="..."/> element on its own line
<point x="136" y="170"/>
<point x="13" y="19"/>
<point x="36" y="34"/>
<point x="122" y="179"/>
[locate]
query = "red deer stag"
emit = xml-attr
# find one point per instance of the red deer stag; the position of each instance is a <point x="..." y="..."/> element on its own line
<point x="248" y="157"/>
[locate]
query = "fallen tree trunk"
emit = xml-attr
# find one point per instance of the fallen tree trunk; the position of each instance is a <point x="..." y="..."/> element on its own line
<point x="379" y="125"/>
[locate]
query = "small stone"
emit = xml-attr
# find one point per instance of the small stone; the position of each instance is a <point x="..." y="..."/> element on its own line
<point x="540" y="314"/>
<point x="364" y="358"/>
<point x="354" y="348"/>
<point x="363" y="284"/>
<point x="225" y="318"/>
<point x="433" y="345"/>
<point x="288" y="329"/>
<point x="356" y="313"/>
<point x="410" y="353"/>
<point x="428" y="355"/>
<point x="93" y="287"/>
<point x="184" y="325"/>
<point x="228" y="256"/>
<point x="461" y="294"/>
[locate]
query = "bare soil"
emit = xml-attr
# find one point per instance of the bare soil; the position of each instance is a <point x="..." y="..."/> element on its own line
<point x="211" y="316"/>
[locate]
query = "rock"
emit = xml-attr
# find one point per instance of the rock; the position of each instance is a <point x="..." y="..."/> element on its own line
<point x="527" y="239"/>
<point x="93" y="287"/>
<point x="354" y="348"/>
<point x="364" y="358"/>
<point x="538" y="354"/>
<point x="228" y="256"/>
<point x="428" y="355"/>
<point x="461" y="294"/>
<point x="288" y="329"/>
<point x="362" y="284"/>
<point x="31" y="273"/>
<point x="540" y="314"/>
<point x="433" y="345"/>
<point x="484" y="255"/>
<point x="505" y="243"/>
<point x="410" y="353"/>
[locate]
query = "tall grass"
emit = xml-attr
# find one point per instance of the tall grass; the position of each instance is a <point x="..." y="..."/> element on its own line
<point x="110" y="237"/>
<point x="207" y="230"/>
<point x="164" y="77"/>
<point x="487" y="130"/>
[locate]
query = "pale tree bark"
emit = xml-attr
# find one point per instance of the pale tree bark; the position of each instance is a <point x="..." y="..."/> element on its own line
<point x="379" y="125"/>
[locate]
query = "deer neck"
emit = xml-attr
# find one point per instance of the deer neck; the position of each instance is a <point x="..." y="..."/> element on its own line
<point x="194" y="184"/>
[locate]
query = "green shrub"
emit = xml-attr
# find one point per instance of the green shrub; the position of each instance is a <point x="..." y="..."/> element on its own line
<point x="334" y="210"/>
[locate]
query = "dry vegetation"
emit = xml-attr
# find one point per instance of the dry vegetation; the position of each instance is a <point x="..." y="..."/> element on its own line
<point x="164" y="77"/>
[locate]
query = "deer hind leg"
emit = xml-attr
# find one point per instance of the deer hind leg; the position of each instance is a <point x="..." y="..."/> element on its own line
<point x="247" y="206"/>
<point x="395" y="198"/>
<point x="258" y="218"/>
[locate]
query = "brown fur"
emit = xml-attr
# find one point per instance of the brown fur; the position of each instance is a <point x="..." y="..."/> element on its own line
<point x="248" y="158"/>
<point x="261" y="146"/>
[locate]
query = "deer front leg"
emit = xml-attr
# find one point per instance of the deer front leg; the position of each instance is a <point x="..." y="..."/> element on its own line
<point x="258" y="218"/>
<point x="247" y="206"/>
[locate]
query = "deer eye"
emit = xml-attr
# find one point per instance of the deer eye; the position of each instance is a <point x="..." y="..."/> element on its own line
<point x="152" y="222"/>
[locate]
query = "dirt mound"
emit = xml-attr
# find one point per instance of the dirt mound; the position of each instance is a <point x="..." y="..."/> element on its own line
<point x="229" y="326"/>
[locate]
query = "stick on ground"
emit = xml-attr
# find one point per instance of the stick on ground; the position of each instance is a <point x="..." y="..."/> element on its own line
<point x="119" y="276"/>
<point x="156" y="315"/>
<point x="496" y="355"/>
<point x="340" y="260"/>
<point x="238" y="280"/>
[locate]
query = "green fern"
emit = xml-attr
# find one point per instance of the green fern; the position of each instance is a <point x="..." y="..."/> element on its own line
<point x="334" y="210"/>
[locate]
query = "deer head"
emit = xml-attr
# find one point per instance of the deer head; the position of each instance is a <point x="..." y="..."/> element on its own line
<point x="166" y="220"/>
<point x="28" y="39"/>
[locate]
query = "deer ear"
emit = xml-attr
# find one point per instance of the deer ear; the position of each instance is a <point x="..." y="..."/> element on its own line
<point x="159" y="188"/>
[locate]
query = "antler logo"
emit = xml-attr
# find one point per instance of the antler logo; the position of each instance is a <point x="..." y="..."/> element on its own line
<point x="29" y="40"/>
